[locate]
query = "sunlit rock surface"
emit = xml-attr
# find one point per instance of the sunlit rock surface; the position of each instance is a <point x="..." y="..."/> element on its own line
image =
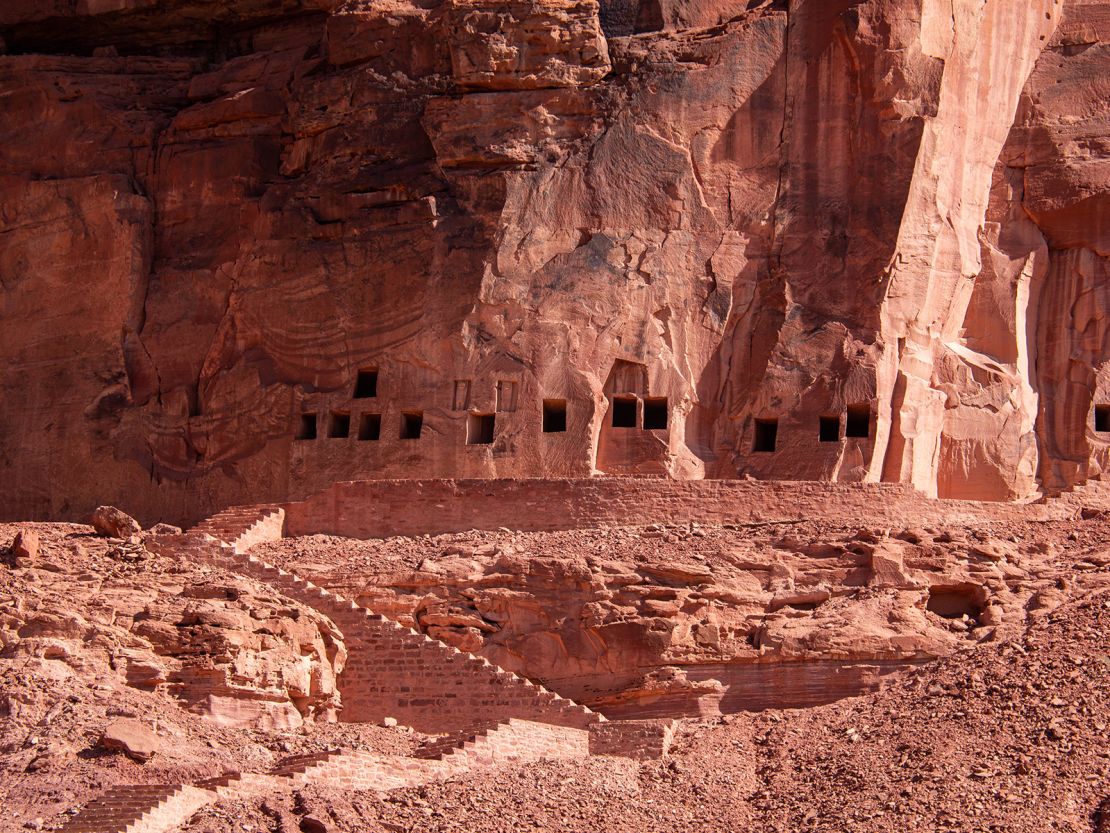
<point x="793" y="240"/>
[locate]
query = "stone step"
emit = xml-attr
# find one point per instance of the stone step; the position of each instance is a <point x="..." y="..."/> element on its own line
<point x="298" y="764"/>
<point x="142" y="809"/>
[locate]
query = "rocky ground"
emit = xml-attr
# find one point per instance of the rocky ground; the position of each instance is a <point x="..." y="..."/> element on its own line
<point x="696" y="620"/>
<point x="1006" y="731"/>
<point x="1010" y="737"/>
<point x="94" y="630"/>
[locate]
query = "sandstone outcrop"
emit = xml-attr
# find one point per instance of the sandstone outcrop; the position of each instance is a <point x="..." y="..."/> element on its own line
<point x="221" y="645"/>
<point x="336" y="240"/>
<point x="25" y="548"/>
<point x="667" y="621"/>
<point x="703" y="621"/>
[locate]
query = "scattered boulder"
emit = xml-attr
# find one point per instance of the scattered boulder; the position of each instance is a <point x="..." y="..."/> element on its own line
<point x="114" y="523"/>
<point x="312" y="824"/>
<point x="165" y="529"/>
<point x="132" y="738"/>
<point x="912" y="535"/>
<point x="25" y="548"/>
<point x="995" y="551"/>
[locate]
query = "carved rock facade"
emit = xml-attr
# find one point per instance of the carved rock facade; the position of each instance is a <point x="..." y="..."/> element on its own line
<point x="251" y="248"/>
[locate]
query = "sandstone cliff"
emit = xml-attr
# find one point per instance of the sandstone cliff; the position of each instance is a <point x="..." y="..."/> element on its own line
<point x="251" y="247"/>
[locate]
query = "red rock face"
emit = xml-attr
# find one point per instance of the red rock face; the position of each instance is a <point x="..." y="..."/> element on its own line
<point x="251" y="248"/>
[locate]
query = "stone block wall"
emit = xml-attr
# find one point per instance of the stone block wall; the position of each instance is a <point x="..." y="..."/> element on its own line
<point x="380" y="508"/>
<point x="244" y="526"/>
<point x="524" y="740"/>
<point x="643" y="739"/>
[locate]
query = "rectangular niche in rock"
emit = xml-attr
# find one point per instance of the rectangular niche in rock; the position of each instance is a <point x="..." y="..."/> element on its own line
<point x="858" y="422"/>
<point x="554" y="416"/>
<point x="366" y="384"/>
<point x="461" y="399"/>
<point x="766" y="435"/>
<point x="655" y="413"/>
<point x="479" y="429"/>
<point x="370" y="427"/>
<point x="506" y="396"/>
<point x="412" y="423"/>
<point x="306" y="429"/>
<point x="339" y="426"/>
<point x="829" y="429"/>
<point x="624" y="411"/>
<point x="1102" y="418"/>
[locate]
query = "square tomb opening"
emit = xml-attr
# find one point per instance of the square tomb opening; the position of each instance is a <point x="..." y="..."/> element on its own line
<point x="766" y="435"/>
<point x="624" y="411"/>
<point x="370" y="427"/>
<point x="412" y="424"/>
<point x="1102" y="418"/>
<point x="306" y="429"/>
<point x="366" y="384"/>
<point x="339" y="426"/>
<point x="479" y="429"/>
<point x="858" y="422"/>
<point x="554" y="416"/>
<point x="655" y="413"/>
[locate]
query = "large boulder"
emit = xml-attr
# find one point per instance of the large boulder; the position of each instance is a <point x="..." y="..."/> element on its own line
<point x="132" y="738"/>
<point x="25" y="548"/>
<point x="114" y="523"/>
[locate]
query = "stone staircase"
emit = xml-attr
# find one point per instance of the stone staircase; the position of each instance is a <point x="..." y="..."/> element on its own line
<point x="506" y="741"/>
<point x="239" y="784"/>
<point x="392" y="670"/>
<point x="244" y="526"/>
<point x="143" y="809"/>
<point x="358" y="770"/>
<point x="438" y="748"/>
<point x="163" y="808"/>
<point x="1092" y="494"/>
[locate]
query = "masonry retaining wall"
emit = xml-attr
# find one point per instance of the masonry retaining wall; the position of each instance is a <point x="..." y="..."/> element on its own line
<point x="522" y="740"/>
<point x="643" y="739"/>
<point x="380" y="508"/>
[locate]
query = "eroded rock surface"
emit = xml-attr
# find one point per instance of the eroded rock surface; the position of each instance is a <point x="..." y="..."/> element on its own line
<point x="223" y="646"/>
<point x="1008" y="729"/>
<point x="691" y="620"/>
<point x="338" y="240"/>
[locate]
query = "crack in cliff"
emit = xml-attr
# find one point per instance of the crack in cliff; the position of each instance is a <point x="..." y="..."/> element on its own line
<point x="786" y="111"/>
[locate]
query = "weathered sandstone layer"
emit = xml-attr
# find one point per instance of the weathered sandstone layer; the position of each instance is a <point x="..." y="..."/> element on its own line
<point x="250" y="247"/>
<point x="106" y="613"/>
<point x="671" y="620"/>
